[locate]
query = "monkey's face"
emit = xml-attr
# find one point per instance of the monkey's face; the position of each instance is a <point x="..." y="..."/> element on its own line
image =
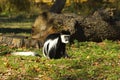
<point x="65" y="38"/>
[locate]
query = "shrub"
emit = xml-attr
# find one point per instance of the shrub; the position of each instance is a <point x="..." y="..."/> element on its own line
<point x="14" y="6"/>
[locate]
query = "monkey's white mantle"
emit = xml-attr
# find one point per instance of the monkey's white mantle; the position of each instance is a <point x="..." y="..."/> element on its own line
<point x="25" y="53"/>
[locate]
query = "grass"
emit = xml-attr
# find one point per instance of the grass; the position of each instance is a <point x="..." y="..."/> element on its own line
<point x="88" y="61"/>
<point x="18" y="25"/>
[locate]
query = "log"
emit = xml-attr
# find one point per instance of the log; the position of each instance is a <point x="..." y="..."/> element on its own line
<point x="19" y="42"/>
<point x="95" y="27"/>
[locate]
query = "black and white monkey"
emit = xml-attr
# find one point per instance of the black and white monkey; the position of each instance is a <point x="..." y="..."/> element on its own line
<point x="54" y="45"/>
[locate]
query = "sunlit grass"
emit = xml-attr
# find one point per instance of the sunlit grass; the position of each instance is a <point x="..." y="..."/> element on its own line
<point x="23" y="25"/>
<point x="17" y="28"/>
<point x="88" y="61"/>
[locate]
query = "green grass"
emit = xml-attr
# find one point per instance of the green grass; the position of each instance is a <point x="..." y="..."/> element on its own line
<point x="19" y="25"/>
<point x="88" y="61"/>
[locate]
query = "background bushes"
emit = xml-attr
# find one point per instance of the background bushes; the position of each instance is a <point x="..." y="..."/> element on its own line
<point x="90" y="6"/>
<point x="8" y="7"/>
<point x="15" y="6"/>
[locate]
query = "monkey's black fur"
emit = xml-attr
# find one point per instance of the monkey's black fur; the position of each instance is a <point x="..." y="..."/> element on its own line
<point x="54" y="47"/>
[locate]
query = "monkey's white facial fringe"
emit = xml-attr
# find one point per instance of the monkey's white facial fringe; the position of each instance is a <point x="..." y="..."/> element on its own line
<point x="25" y="53"/>
<point x="65" y="38"/>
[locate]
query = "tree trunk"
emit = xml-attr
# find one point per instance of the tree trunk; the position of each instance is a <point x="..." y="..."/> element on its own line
<point x="96" y="27"/>
<point x="58" y="6"/>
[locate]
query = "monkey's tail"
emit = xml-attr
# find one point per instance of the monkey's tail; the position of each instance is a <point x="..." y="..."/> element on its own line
<point x="25" y="53"/>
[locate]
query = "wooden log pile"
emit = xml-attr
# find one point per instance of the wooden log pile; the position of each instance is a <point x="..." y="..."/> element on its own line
<point x="19" y="42"/>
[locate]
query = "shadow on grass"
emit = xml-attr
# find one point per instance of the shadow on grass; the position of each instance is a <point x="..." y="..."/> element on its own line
<point x="14" y="30"/>
<point x="19" y="18"/>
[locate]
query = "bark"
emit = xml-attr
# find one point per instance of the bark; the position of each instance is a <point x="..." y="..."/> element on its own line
<point x="96" y="27"/>
<point x="19" y="42"/>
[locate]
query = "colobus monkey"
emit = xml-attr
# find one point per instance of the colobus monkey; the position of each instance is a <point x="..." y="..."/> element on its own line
<point x="54" y="45"/>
